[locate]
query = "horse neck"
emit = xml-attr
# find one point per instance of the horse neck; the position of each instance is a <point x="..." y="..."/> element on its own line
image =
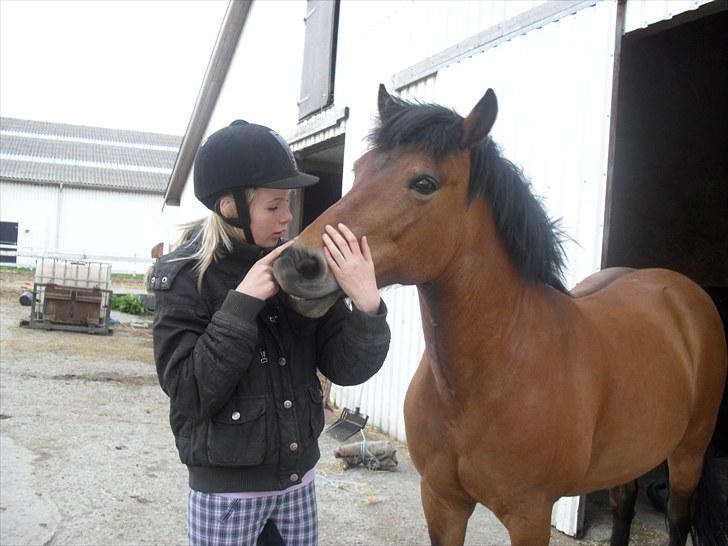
<point x="472" y="309"/>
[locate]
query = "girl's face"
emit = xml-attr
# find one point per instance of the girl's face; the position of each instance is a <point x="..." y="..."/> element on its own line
<point x="269" y="216"/>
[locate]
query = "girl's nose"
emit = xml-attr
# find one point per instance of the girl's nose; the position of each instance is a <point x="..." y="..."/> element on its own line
<point x="287" y="216"/>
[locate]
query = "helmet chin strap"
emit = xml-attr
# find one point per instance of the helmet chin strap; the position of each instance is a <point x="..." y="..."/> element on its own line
<point x="243" y="219"/>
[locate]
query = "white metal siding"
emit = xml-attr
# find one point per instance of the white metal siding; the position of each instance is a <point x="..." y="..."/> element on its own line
<point x="424" y="90"/>
<point x="554" y="89"/>
<point x="115" y="227"/>
<point x="33" y="207"/>
<point x="642" y="13"/>
<point x="382" y="397"/>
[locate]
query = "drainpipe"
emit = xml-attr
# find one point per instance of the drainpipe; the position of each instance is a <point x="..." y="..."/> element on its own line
<point x="58" y="216"/>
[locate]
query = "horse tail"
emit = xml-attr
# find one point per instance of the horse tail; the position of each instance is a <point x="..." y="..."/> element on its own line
<point x="710" y="504"/>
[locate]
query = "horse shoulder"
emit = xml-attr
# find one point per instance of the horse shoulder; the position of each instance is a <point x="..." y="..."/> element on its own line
<point x="599" y="280"/>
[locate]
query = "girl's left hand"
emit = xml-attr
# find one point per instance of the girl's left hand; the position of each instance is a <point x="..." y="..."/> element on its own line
<point x="352" y="265"/>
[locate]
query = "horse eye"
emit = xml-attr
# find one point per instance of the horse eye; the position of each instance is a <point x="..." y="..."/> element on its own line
<point x="424" y="185"/>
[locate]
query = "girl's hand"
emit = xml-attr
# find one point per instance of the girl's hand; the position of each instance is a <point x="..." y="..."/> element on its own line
<point x="352" y="265"/>
<point x="259" y="281"/>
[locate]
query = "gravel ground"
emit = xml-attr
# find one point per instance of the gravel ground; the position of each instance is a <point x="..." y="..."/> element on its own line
<point x="87" y="456"/>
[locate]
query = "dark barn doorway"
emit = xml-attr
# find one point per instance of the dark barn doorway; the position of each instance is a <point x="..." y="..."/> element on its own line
<point x="668" y="204"/>
<point x="326" y="161"/>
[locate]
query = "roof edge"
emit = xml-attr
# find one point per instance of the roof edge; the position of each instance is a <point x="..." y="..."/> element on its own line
<point x="79" y="185"/>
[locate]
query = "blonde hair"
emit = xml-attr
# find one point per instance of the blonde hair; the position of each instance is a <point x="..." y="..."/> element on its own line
<point x="214" y="236"/>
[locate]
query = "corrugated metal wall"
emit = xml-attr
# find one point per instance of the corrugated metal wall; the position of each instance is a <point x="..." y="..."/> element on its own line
<point x="34" y="209"/>
<point x="554" y="93"/>
<point x="113" y="227"/>
<point x="117" y="227"/>
<point x="642" y="13"/>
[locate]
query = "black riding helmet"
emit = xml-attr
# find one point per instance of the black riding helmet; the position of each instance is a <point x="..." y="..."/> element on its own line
<point x="241" y="156"/>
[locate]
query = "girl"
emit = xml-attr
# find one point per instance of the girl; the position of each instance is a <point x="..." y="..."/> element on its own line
<point x="238" y="365"/>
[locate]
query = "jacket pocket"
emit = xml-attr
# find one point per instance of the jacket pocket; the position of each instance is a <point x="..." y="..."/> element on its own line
<point x="236" y="436"/>
<point x="317" y="410"/>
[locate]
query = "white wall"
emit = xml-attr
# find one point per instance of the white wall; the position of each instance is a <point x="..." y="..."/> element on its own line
<point x="114" y="227"/>
<point x="34" y="209"/>
<point x="642" y="13"/>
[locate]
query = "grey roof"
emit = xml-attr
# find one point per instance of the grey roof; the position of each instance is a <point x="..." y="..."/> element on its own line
<point x="92" y="157"/>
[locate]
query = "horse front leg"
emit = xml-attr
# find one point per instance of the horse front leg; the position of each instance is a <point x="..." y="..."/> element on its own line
<point x="447" y="518"/>
<point x="529" y="523"/>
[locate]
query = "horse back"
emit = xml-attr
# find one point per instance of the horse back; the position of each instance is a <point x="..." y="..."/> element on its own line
<point x="657" y="304"/>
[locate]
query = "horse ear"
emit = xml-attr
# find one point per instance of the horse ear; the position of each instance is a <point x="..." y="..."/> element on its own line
<point x="384" y="100"/>
<point x="480" y="121"/>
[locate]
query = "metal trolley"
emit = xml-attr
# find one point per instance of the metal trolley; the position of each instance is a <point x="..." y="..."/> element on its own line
<point x="71" y="295"/>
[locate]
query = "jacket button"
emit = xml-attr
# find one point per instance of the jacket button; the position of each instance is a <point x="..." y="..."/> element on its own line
<point x="293" y="446"/>
<point x="282" y="361"/>
<point x="235" y="416"/>
<point x="288" y="404"/>
<point x="294" y="477"/>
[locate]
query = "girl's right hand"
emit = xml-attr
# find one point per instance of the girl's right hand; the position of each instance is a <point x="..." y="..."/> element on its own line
<point x="259" y="282"/>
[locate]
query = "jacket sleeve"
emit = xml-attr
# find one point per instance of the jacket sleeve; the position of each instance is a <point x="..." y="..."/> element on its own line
<point x="352" y="345"/>
<point x="201" y="358"/>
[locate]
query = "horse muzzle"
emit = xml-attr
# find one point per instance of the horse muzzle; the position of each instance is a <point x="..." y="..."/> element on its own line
<point x="304" y="276"/>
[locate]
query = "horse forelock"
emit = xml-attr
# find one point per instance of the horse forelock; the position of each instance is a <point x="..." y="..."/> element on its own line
<point x="533" y="241"/>
<point x="429" y="128"/>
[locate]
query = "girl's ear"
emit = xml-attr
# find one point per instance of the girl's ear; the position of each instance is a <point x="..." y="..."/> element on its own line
<point x="227" y="207"/>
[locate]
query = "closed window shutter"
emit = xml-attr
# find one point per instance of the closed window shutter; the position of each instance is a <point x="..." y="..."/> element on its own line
<point x="319" y="57"/>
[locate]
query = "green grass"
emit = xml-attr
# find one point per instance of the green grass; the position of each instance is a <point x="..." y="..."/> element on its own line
<point x="12" y="269"/>
<point x="127" y="276"/>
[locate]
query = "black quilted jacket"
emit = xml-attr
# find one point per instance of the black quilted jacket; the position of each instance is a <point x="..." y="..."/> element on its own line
<point x="246" y="407"/>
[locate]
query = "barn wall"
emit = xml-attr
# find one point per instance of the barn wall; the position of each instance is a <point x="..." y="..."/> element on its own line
<point x="34" y="209"/>
<point x="115" y="227"/>
<point x="642" y="13"/>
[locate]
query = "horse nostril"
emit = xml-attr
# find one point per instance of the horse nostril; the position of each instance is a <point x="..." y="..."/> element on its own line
<point x="308" y="267"/>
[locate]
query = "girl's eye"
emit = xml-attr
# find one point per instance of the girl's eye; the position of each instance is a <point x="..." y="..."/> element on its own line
<point x="424" y="185"/>
<point x="273" y="209"/>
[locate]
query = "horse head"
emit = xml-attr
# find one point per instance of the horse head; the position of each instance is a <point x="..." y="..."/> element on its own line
<point x="406" y="191"/>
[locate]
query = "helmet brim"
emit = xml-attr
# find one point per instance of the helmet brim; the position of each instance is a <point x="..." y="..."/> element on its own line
<point x="300" y="180"/>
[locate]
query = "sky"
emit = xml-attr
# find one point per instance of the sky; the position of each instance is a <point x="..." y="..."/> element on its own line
<point x="128" y="64"/>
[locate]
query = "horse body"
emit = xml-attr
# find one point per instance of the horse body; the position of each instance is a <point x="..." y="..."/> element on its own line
<point x="514" y="432"/>
<point x="524" y="393"/>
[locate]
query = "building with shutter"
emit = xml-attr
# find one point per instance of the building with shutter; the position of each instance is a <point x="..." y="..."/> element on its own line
<point x="79" y="192"/>
<point x="615" y="110"/>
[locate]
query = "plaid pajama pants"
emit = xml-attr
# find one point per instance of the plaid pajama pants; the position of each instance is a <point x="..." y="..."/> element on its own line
<point x="213" y="520"/>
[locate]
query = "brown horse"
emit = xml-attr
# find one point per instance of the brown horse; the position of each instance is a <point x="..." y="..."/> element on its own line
<point x="525" y="392"/>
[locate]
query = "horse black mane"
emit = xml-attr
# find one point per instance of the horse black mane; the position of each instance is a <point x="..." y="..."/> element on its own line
<point x="534" y="242"/>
